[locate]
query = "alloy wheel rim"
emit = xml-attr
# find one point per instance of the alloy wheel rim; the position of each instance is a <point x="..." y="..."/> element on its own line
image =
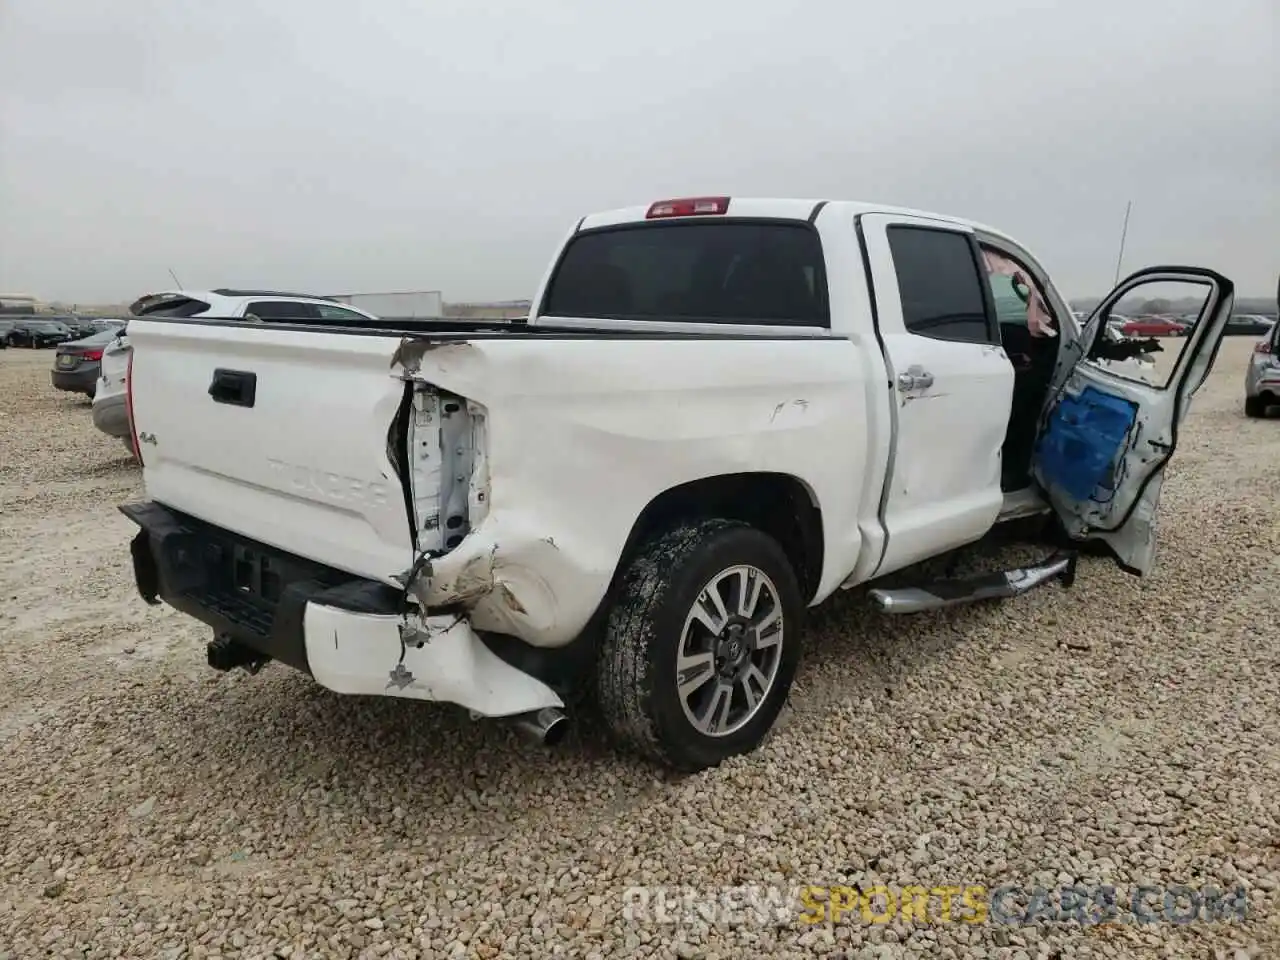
<point x="730" y="650"/>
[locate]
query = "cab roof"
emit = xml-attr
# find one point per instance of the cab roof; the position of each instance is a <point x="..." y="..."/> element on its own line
<point x="770" y="208"/>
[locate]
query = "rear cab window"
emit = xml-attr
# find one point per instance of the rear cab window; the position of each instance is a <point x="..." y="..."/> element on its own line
<point x="727" y="271"/>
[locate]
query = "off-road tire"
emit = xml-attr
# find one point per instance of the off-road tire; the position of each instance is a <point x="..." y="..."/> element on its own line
<point x="636" y="669"/>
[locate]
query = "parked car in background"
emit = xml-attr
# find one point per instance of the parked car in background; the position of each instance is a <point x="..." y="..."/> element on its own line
<point x="76" y="364"/>
<point x="107" y="323"/>
<point x="110" y="413"/>
<point x="38" y="333"/>
<point x="1134" y="366"/>
<point x="1248" y="325"/>
<point x="1154" y="327"/>
<point x="80" y="326"/>
<point x="5" y="326"/>
<point x="1262" y="378"/>
<point x="247" y="304"/>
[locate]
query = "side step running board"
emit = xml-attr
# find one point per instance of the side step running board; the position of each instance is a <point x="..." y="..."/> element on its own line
<point x="936" y="594"/>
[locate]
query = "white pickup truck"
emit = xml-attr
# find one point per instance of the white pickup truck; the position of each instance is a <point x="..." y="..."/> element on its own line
<point x="719" y="412"/>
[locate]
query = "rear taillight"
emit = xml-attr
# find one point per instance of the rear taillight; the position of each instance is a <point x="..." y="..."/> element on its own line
<point x="128" y="409"/>
<point x="1262" y="346"/>
<point x="91" y="355"/>
<point x="688" y="207"/>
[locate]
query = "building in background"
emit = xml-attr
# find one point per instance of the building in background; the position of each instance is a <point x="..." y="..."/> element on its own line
<point x="431" y="303"/>
<point x="20" y="304"/>
<point x="417" y="303"/>
<point x="489" y="310"/>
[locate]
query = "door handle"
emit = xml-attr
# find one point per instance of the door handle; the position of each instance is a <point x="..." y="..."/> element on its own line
<point x="239" y="388"/>
<point x="915" y="378"/>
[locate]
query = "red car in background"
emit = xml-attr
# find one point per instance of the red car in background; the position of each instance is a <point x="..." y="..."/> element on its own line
<point x="1154" y="327"/>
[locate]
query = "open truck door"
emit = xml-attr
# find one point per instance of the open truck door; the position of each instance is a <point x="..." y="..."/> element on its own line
<point x="1108" y="431"/>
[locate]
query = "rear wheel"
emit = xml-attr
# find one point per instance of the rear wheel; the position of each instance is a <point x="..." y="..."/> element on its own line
<point x="1255" y="406"/>
<point x="701" y="645"/>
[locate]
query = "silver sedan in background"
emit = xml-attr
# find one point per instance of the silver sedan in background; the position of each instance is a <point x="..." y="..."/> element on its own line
<point x="1262" y="378"/>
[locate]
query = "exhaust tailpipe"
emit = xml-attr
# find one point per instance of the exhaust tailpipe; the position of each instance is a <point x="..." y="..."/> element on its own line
<point x="546" y="726"/>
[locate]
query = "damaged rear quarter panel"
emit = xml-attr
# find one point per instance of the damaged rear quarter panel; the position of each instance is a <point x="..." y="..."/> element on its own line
<point x="580" y="435"/>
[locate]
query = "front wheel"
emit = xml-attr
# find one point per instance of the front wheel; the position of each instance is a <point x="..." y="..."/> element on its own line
<point x="1255" y="406"/>
<point x="701" y="645"/>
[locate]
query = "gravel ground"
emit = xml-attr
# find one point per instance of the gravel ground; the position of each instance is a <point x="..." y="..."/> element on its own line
<point x="1124" y="732"/>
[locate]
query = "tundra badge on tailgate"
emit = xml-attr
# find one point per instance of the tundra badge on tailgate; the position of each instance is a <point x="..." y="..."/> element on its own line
<point x="329" y="486"/>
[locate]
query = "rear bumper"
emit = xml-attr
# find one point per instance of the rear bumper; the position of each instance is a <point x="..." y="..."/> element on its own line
<point x="352" y="635"/>
<point x="111" y="416"/>
<point x="246" y="592"/>
<point x="81" y="380"/>
<point x="1265" y="384"/>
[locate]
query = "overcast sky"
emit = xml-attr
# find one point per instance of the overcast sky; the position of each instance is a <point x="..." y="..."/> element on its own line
<point x="447" y="144"/>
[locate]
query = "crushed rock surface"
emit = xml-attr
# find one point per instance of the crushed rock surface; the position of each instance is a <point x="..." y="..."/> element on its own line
<point x="1126" y="731"/>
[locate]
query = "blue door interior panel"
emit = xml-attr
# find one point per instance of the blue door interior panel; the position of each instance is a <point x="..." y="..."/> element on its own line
<point x="1084" y="436"/>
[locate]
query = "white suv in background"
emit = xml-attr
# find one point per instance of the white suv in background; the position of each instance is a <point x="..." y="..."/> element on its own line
<point x="234" y="304"/>
<point x="109" y="411"/>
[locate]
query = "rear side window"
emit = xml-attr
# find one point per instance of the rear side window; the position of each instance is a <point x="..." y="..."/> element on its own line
<point x="282" y="310"/>
<point x="940" y="285"/>
<point x="768" y="272"/>
<point x="327" y="312"/>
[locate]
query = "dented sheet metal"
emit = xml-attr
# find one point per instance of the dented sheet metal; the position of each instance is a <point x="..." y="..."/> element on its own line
<point x="424" y="658"/>
<point x="408" y="357"/>
<point x="559" y="445"/>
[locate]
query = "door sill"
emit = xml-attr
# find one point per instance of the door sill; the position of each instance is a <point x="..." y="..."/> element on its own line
<point x="1026" y="502"/>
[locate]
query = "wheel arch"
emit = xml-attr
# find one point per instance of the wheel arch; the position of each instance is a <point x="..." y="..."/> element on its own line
<point x="779" y="504"/>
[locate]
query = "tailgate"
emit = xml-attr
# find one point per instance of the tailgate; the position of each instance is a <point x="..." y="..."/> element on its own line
<point x="285" y="436"/>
